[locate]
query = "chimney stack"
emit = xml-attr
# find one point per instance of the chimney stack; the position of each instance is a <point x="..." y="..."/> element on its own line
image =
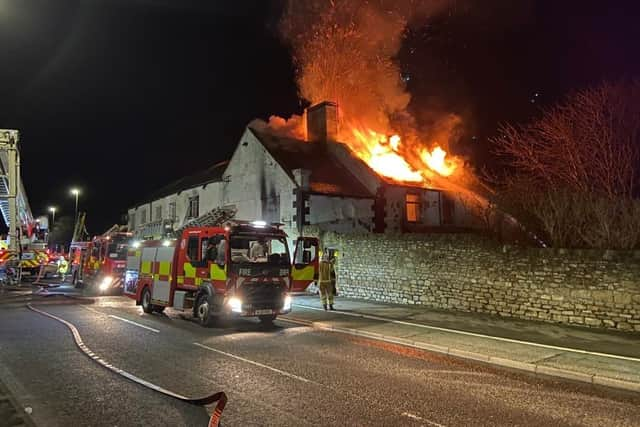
<point x="322" y="122"/>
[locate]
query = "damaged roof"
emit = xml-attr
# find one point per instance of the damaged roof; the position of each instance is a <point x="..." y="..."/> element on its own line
<point x="328" y="175"/>
<point x="203" y="177"/>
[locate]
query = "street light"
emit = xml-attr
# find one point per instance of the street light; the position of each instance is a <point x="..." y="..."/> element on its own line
<point x="52" y="209"/>
<point x="76" y="192"/>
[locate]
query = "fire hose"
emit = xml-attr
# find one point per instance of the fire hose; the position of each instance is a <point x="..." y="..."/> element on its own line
<point x="219" y="397"/>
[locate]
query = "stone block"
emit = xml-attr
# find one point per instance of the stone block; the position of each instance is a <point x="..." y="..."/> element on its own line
<point x="592" y="322"/>
<point x="624" y="326"/>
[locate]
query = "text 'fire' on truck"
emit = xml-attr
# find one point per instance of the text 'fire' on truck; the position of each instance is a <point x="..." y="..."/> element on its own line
<point x="98" y="265"/>
<point x="240" y="270"/>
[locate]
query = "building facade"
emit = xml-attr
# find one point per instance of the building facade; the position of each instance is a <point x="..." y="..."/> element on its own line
<point x="317" y="184"/>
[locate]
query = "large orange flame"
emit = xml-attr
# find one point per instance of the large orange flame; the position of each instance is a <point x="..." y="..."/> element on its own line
<point x="436" y="160"/>
<point x="387" y="157"/>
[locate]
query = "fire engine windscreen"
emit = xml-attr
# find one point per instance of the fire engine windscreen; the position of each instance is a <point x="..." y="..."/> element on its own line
<point x="117" y="249"/>
<point x="270" y="250"/>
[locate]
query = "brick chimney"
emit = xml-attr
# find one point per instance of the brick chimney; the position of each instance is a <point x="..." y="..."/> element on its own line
<point x="322" y="122"/>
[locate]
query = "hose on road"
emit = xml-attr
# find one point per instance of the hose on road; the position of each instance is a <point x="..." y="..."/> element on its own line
<point x="219" y="397"/>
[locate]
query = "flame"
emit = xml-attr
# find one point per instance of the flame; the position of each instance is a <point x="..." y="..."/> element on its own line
<point x="381" y="155"/>
<point x="387" y="157"/>
<point x="436" y="160"/>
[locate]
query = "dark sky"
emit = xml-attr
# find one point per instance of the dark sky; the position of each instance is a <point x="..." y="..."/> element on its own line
<point x="120" y="97"/>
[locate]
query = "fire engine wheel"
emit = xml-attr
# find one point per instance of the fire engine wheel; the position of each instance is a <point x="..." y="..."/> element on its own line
<point x="147" y="307"/>
<point x="268" y="320"/>
<point x="204" y="310"/>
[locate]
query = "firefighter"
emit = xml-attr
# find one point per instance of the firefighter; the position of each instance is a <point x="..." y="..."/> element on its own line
<point x="258" y="250"/>
<point x="63" y="267"/>
<point x="324" y="281"/>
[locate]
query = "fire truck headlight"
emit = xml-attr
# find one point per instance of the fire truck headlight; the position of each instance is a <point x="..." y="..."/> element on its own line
<point x="287" y="303"/>
<point x="235" y="304"/>
<point x="106" y="282"/>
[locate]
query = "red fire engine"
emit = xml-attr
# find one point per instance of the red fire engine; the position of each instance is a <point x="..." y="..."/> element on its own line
<point x="99" y="264"/>
<point x="242" y="269"/>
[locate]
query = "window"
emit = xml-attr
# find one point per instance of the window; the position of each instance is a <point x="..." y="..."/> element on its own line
<point x="132" y="221"/>
<point x="192" y="211"/>
<point x="143" y="216"/>
<point x="412" y="204"/>
<point x="172" y="211"/>
<point x="192" y="249"/>
<point x="158" y="213"/>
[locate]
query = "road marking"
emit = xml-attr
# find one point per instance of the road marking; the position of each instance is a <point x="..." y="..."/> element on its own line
<point x="286" y="374"/>
<point x="418" y="418"/>
<point x="296" y="377"/>
<point x="134" y="323"/>
<point x="473" y="334"/>
<point x="219" y="397"/>
<point x="122" y="319"/>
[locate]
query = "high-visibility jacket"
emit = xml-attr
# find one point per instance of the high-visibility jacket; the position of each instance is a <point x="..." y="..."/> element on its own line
<point x="63" y="266"/>
<point x="324" y="275"/>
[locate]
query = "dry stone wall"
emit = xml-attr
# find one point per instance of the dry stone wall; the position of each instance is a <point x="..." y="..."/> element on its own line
<point x="467" y="273"/>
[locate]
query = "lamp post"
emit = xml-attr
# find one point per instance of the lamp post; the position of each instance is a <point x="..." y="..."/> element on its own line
<point x="76" y="192"/>
<point x="52" y="209"/>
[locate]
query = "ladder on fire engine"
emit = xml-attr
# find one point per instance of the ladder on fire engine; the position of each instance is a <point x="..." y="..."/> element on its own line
<point x="214" y="217"/>
<point x="80" y="231"/>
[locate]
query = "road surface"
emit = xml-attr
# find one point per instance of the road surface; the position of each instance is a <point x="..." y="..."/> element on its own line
<point x="287" y="375"/>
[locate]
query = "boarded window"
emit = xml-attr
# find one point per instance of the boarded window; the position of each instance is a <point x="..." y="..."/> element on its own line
<point x="143" y="216"/>
<point x="194" y="206"/>
<point x="412" y="204"/>
<point x="172" y="211"/>
<point x="158" y="213"/>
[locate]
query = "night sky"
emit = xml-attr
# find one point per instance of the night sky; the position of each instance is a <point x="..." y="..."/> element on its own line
<point x="120" y="97"/>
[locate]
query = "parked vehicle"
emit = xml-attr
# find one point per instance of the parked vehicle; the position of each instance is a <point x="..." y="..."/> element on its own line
<point x="99" y="264"/>
<point x="217" y="272"/>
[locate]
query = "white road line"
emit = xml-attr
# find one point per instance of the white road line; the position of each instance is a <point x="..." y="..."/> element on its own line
<point x="233" y="356"/>
<point x="472" y="334"/>
<point x="122" y="319"/>
<point x="296" y="377"/>
<point x="135" y="323"/>
<point x="418" y="418"/>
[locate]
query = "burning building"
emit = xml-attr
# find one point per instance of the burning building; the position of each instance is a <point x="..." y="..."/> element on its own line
<point x="315" y="183"/>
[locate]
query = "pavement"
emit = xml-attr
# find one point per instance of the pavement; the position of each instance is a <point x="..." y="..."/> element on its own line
<point x="291" y="374"/>
<point x="607" y="358"/>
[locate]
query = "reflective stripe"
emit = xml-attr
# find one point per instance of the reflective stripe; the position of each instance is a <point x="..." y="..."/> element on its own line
<point x="217" y="273"/>
<point x="189" y="270"/>
<point x="306" y="273"/>
<point x="180" y="280"/>
<point x="164" y="268"/>
<point x="145" y="267"/>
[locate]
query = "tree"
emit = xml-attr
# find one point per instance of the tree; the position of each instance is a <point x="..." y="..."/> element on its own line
<point x="574" y="174"/>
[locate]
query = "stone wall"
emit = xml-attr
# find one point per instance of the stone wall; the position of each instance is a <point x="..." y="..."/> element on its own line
<point x="468" y="273"/>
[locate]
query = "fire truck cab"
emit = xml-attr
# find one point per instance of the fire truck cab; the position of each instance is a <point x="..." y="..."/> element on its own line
<point x="240" y="270"/>
<point x="100" y="263"/>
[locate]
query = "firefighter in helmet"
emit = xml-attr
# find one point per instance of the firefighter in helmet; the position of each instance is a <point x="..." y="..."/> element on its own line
<point x="325" y="281"/>
<point x="63" y="267"/>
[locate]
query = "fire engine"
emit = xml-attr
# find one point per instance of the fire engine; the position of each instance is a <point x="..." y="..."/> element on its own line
<point x="99" y="264"/>
<point x="240" y="270"/>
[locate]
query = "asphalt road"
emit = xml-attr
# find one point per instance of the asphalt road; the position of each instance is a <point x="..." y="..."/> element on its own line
<point x="288" y="375"/>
